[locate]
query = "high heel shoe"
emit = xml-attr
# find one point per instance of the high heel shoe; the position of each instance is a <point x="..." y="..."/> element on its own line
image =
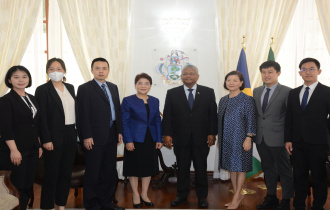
<point x="137" y="206"/>
<point x="235" y="206"/>
<point x="149" y="204"/>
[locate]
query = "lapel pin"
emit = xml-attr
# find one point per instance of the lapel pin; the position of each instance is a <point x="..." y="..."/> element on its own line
<point x="197" y="92"/>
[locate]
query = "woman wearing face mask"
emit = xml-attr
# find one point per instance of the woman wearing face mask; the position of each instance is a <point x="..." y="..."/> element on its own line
<point x="19" y="144"/>
<point x="58" y="134"/>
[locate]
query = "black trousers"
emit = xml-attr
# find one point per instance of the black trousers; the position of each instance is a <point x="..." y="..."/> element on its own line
<point x="305" y="158"/>
<point x="22" y="176"/>
<point x="276" y="161"/>
<point x="184" y="156"/>
<point x="101" y="174"/>
<point x="58" y="165"/>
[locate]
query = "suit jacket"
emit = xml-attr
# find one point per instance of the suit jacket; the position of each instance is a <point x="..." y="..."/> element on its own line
<point x="93" y="107"/>
<point x="52" y="119"/>
<point x="270" y="124"/>
<point x="180" y="122"/>
<point x="135" y="121"/>
<point x="17" y="122"/>
<point x="309" y="126"/>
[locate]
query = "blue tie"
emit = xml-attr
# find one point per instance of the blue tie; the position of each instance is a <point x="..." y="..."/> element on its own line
<point x="265" y="102"/>
<point x="106" y="95"/>
<point x="304" y="99"/>
<point x="191" y="98"/>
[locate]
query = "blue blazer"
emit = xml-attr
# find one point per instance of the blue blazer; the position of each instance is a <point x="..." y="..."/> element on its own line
<point x="135" y="121"/>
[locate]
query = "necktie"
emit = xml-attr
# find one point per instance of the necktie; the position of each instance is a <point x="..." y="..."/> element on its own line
<point x="304" y="99"/>
<point x="190" y="98"/>
<point x="265" y="102"/>
<point x="106" y="95"/>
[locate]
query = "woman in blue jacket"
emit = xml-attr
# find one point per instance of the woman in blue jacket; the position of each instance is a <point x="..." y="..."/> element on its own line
<point x="142" y="134"/>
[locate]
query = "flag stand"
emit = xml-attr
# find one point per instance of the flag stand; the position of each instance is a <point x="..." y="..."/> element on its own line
<point x="263" y="187"/>
<point x="245" y="191"/>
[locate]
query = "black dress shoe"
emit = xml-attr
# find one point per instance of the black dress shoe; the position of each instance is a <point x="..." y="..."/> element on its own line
<point x="149" y="204"/>
<point x="284" y="205"/>
<point x="270" y="201"/>
<point x="178" y="201"/>
<point x="202" y="203"/>
<point x="137" y="206"/>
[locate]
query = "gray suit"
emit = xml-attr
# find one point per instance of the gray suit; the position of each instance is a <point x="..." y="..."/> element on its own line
<point x="270" y="140"/>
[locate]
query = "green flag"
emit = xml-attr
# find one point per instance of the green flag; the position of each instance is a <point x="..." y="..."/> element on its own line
<point x="271" y="56"/>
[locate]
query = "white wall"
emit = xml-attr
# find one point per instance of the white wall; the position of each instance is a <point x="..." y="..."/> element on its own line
<point x="147" y="35"/>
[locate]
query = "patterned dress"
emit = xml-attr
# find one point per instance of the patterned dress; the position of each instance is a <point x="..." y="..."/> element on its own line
<point x="236" y="118"/>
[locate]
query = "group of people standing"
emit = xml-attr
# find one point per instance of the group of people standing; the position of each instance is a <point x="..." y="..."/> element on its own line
<point x="283" y="122"/>
<point x="279" y="120"/>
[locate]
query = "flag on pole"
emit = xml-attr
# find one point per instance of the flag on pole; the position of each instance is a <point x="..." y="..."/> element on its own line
<point x="271" y="56"/>
<point x="242" y="67"/>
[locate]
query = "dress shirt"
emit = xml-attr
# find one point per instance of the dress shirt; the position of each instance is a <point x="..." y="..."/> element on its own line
<point x="270" y="92"/>
<point x="186" y="90"/>
<point x="311" y="90"/>
<point x="68" y="106"/>
<point x="28" y="103"/>
<point x="112" y="106"/>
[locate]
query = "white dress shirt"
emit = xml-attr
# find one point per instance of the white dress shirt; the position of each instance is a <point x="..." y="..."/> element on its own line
<point x="311" y="90"/>
<point x="186" y="90"/>
<point x="68" y="106"/>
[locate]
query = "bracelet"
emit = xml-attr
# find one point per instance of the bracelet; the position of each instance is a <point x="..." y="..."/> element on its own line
<point x="249" y="136"/>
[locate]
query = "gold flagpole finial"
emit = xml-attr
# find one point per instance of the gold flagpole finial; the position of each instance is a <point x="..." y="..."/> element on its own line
<point x="272" y="42"/>
<point x="243" y="43"/>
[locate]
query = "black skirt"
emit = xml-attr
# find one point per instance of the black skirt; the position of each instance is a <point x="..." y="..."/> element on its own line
<point x="143" y="160"/>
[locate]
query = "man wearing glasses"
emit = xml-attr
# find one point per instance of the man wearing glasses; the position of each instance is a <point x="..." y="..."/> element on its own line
<point x="307" y="133"/>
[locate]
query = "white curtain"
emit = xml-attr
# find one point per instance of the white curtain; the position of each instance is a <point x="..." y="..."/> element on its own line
<point x="17" y="21"/>
<point x="323" y="8"/>
<point x="35" y="58"/>
<point x="258" y="20"/>
<point x="304" y="38"/>
<point x="59" y="46"/>
<point x="100" y="29"/>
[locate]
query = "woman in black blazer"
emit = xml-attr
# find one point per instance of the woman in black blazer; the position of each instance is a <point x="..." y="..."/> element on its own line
<point x="19" y="144"/>
<point x="58" y="134"/>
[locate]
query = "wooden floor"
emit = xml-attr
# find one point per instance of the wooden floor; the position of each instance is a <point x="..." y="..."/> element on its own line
<point x="218" y="195"/>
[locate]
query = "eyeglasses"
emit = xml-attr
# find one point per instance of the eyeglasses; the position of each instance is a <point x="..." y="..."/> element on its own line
<point x="190" y="74"/>
<point x="310" y="70"/>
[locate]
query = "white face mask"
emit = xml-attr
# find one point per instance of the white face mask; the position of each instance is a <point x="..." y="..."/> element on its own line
<point x="56" y="76"/>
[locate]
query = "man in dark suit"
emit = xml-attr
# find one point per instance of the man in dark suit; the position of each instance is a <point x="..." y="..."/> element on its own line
<point x="271" y="100"/>
<point x="306" y="134"/>
<point x="190" y="124"/>
<point x="101" y="130"/>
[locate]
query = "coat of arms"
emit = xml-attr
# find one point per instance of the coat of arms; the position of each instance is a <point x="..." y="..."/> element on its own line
<point x="171" y="66"/>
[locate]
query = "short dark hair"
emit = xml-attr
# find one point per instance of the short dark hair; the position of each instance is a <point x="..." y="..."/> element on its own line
<point x="12" y="70"/>
<point x="306" y="60"/>
<point x="240" y="76"/>
<point x="99" y="59"/>
<point x="143" y="75"/>
<point x="268" y="64"/>
<point x="52" y="60"/>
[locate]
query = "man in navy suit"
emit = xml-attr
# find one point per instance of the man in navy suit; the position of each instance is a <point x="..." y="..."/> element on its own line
<point x="190" y="124"/>
<point x="101" y="130"/>
<point x="307" y="134"/>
